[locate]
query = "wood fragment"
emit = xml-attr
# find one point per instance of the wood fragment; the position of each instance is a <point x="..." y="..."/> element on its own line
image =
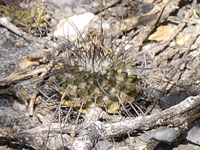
<point x="32" y="103"/>
<point x="147" y="122"/>
<point x="92" y="129"/>
<point x="5" y="21"/>
<point x="97" y="130"/>
<point x="21" y="75"/>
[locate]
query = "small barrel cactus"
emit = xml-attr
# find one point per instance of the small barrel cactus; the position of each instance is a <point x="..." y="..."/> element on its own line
<point x="31" y="19"/>
<point x="108" y="87"/>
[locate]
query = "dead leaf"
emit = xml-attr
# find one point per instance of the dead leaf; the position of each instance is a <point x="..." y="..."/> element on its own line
<point x="25" y="63"/>
<point x="20" y="75"/>
<point x="196" y="16"/>
<point x="161" y="33"/>
<point x="126" y="25"/>
<point x="148" y="1"/>
<point x="113" y="108"/>
<point x="32" y="102"/>
<point x="182" y="38"/>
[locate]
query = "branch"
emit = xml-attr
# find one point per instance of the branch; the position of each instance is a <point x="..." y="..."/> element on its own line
<point x="96" y="129"/>
<point x="147" y="122"/>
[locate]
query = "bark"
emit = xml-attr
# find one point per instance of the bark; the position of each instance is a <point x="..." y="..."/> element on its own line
<point x="97" y="130"/>
<point x="91" y="130"/>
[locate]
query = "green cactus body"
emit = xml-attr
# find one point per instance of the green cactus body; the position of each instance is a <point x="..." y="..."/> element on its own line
<point x="29" y="19"/>
<point x="106" y="89"/>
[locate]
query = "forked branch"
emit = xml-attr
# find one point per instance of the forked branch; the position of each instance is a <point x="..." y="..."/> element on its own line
<point x="97" y="130"/>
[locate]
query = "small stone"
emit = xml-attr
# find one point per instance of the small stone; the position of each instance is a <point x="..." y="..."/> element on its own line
<point x="72" y="27"/>
<point x="190" y="29"/>
<point x="58" y="141"/>
<point x="19" y="107"/>
<point x="104" y="145"/>
<point x="174" y="98"/>
<point x="156" y="109"/>
<point x="186" y="147"/>
<point x="165" y="134"/>
<point x="194" y="135"/>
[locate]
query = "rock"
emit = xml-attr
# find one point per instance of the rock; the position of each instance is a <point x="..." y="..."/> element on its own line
<point x="190" y="29"/>
<point x="145" y="8"/>
<point x="186" y="147"/>
<point x="194" y="135"/>
<point x="11" y="51"/>
<point x="198" y="9"/>
<point x="72" y="27"/>
<point x="16" y="120"/>
<point x="68" y="3"/>
<point x="164" y="134"/>
<point x="138" y="143"/>
<point x="70" y="7"/>
<point x="121" y="148"/>
<point x="58" y="141"/>
<point x="156" y="109"/>
<point x="19" y="107"/>
<point x="104" y="145"/>
<point x="174" y="98"/>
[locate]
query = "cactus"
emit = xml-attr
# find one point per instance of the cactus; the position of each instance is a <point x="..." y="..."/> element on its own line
<point x="28" y="19"/>
<point x="108" y="87"/>
<point x="95" y="75"/>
